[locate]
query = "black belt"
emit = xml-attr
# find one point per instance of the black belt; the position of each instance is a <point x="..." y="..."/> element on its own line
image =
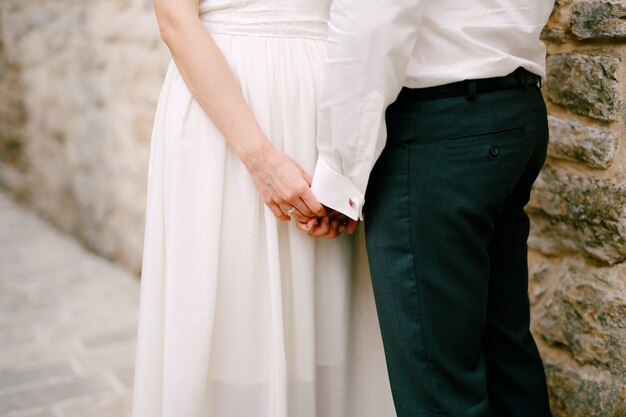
<point x="520" y="78"/>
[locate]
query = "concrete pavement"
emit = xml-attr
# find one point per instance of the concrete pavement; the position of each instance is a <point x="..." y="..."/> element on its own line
<point x="67" y="323"/>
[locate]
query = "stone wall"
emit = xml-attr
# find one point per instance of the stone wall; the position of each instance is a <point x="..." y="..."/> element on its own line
<point x="578" y="212"/>
<point x="79" y="80"/>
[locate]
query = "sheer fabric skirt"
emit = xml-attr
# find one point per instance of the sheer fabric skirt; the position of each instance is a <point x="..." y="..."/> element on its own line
<point x="242" y="315"/>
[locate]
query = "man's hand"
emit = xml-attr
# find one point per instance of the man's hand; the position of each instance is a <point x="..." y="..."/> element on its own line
<point x="329" y="226"/>
<point x="285" y="186"/>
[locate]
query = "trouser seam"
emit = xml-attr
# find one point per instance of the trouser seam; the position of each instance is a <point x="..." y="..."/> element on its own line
<point x="417" y="284"/>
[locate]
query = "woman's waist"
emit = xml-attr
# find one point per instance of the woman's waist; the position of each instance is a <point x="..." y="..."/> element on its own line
<point x="280" y="28"/>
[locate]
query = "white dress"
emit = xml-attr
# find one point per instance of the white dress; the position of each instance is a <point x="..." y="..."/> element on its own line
<point x="243" y="315"/>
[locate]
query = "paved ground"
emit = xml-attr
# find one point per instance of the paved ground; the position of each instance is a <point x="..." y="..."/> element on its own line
<point x="67" y="324"/>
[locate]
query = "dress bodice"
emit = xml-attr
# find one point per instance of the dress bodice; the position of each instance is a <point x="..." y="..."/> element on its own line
<point x="284" y="18"/>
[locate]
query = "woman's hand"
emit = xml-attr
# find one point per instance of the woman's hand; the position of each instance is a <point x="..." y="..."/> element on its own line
<point x="280" y="180"/>
<point x="284" y="185"/>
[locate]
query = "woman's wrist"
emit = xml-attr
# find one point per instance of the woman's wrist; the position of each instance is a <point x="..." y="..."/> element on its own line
<point x="254" y="151"/>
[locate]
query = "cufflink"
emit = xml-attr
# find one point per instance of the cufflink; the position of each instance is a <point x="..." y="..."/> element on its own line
<point x="351" y="202"/>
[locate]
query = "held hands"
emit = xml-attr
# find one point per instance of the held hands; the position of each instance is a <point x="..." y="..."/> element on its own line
<point x="329" y="226"/>
<point x="285" y="188"/>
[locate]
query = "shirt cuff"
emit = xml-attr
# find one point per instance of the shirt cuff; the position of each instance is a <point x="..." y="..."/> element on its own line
<point x="336" y="191"/>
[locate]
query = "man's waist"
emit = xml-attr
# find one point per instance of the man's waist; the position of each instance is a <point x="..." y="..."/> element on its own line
<point x="471" y="87"/>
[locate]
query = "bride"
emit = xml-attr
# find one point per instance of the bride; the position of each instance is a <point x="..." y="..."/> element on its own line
<point x="242" y="314"/>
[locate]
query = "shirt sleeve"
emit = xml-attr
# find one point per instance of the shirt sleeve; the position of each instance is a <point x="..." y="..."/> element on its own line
<point x="369" y="46"/>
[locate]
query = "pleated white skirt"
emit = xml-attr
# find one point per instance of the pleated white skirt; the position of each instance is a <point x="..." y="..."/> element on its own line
<point x="242" y="315"/>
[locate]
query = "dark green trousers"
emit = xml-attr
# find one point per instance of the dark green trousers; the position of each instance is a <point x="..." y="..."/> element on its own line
<point x="446" y="236"/>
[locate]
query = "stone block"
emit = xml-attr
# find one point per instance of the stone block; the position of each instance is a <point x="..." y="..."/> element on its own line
<point x="50" y="395"/>
<point x="599" y="20"/>
<point x="584" y="394"/>
<point x="580" y="326"/>
<point x="553" y="34"/>
<point x="110" y="339"/>
<point x="538" y="282"/>
<point x="573" y="213"/>
<point x="17" y="337"/>
<point x="588" y="145"/>
<point x="586" y="314"/>
<point x="585" y="83"/>
<point x="109" y="406"/>
<point x="22" y="375"/>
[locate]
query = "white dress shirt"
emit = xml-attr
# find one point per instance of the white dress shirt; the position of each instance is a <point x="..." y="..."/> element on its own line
<point x="375" y="47"/>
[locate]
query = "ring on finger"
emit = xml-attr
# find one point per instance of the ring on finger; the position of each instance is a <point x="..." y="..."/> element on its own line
<point x="290" y="210"/>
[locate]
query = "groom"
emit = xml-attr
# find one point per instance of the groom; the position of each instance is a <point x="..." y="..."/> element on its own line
<point x="434" y="106"/>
